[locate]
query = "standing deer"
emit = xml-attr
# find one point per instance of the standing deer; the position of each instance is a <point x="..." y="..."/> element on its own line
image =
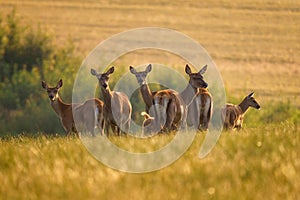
<point x="195" y="86"/>
<point x="233" y="115"/>
<point x="170" y="106"/>
<point x="89" y="113"/>
<point x="117" y="107"/>
<point x="144" y="88"/>
<point x="200" y="110"/>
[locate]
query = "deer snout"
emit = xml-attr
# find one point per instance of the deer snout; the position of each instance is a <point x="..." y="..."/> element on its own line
<point x="104" y="85"/>
<point x="141" y="82"/>
<point x="204" y="85"/>
<point x="258" y="107"/>
<point x="51" y="97"/>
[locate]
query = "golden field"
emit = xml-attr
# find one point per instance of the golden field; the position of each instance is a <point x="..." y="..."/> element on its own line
<point x="256" y="40"/>
<point x="256" y="46"/>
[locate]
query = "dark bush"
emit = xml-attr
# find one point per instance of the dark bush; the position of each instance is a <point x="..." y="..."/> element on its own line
<point x="27" y="56"/>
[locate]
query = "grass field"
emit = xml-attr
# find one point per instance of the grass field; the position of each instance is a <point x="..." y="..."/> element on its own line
<point x="256" y="46"/>
<point x="256" y="163"/>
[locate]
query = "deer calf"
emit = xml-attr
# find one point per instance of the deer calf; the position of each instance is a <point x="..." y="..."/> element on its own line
<point x="233" y="115"/>
<point x="149" y="125"/>
<point x="88" y="114"/>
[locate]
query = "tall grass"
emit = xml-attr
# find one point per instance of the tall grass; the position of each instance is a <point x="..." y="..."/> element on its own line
<point x="256" y="163"/>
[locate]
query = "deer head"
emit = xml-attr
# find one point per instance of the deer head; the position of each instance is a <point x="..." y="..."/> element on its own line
<point x="52" y="91"/>
<point x="196" y="79"/>
<point x="104" y="77"/>
<point x="141" y="76"/>
<point x="251" y="101"/>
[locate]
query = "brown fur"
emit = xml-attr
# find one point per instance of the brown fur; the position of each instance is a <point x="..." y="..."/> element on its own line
<point x="117" y="107"/>
<point x="149" y="125"/>
<point x="200" y="110"/>
<point x="233" y="115"/>
<point x="170" y="106"/>
<point x="90" y="114"/>
<point x="85" y="111"/>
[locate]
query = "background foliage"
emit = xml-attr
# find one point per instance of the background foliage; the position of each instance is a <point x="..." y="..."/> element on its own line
<point x="27" y="56"/>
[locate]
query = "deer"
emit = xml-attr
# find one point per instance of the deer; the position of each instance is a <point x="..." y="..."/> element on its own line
<point x="233" y="115"/>
<point x="200" y="110"/>
<point x="169" y="105"/>
<point x="148" y="126"/>
<point x="117" y="107"/>
<point x="89" y="113"/>
<point x="147" y="94"/>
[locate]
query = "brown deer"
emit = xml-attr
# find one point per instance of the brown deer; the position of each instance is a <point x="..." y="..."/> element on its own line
<point x="117" y="107"/>
<point x="233" y="115"/>
<point x="144" y="88"/>
<point x="89" y="113"/>
<point x="200" y="110"/>
<point x="148" y="126"/>
<point x="196" y="84"/>
<point x="170" y="106"/>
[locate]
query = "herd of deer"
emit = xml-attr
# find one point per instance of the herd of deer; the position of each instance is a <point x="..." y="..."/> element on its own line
<point x="166" y="110"/>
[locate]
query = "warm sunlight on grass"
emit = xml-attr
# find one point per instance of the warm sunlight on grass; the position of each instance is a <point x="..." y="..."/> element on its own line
<point x="254" y="163"/>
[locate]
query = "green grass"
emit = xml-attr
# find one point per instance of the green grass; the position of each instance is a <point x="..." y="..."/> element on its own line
<point x="256" y="163"/>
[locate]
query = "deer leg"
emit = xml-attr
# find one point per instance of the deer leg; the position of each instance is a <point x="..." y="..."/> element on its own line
<point x="106" y="127"/>
<point x="114" y="129"/>
<point x="68" y="126"/>
<point x="100" y="125"/>
<point x="201" y="121"/>
<point x="209" y="114"/>
<point x="118" y="130"/>
<point x="205" y="118"/>
<point x="171" y="112"/>
<point x="127" y="126"/>
<point x="239" y="126"/>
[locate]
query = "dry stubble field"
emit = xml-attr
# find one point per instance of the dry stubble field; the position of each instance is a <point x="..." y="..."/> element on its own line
<point x="256" y="47"/>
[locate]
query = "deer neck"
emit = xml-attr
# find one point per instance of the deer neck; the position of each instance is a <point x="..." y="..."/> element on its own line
<point x="59" y="106"/>
<point x="188" y="94"/>
<point x="146" y="94"/>
<point x="244" y="106"/>
<point x="107" y="96"/>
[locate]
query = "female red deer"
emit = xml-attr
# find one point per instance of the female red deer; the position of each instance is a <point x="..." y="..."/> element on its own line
<point x="89" y="113"/>
<point x="233" y="115"/>
<point x="200" y="110"/>
<point x="117" y="107"/>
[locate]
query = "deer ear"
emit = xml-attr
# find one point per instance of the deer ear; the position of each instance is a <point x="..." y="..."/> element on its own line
<point x="203" y="70"/>
<point x="132" y="70"/>
<point x="250" y="95"/>
<point x="59" y="84"/>
<point x="110" y="70"/>
<point x="188" y="69"/>
<point x="149" y="68"/>
<point x="44" y="85"/>
<point x="93" y="72"/>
